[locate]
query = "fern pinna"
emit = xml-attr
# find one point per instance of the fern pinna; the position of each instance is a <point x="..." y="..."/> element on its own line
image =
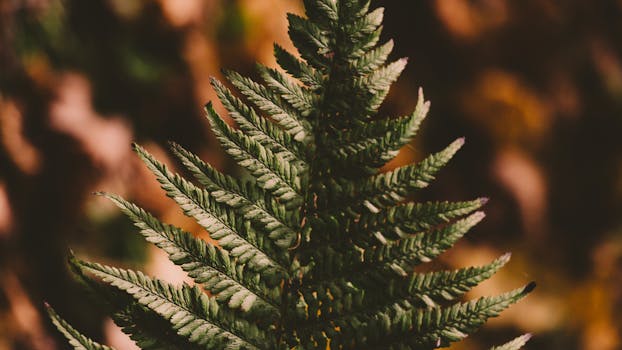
<point x="317" y="250"/>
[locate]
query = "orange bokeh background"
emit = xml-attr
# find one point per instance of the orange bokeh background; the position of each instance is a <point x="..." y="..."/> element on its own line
<point x="535" y="86"/>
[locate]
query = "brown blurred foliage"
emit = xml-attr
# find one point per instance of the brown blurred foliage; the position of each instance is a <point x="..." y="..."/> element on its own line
<point x="534" y="85"/>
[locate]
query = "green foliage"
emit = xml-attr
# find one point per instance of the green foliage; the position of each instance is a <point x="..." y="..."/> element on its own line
<point x="514" y="344"/>
<point x="77" y="340"/>
<point x="318" y="250"/>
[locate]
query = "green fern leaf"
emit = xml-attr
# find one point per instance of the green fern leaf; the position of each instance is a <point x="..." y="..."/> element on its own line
<point x="422" y="247"/>
<point x="377" y="84"/>
<point x="190" y="312"/>
<point x="317" y="249"/>
<point x="371" y="151"/>
<point x="259" y="129"/>
<point x="443" y="326"/>
<point x="276" y="107"/>
<point x="75" y="338"/>
<point x="208" y="265"/>
<point x="296" y="96"/>
<point x="280" y="224"/>
<point x="403" y="221"/>
<point x="311" y="41"/>
<point x="148" y="331"/>
<point x="373" y="59"/>
<point x="280" y="178"/>
<point x="324" y="12"/>
<point x="449" y="285"/>
<point x="390" y="188"/>
<point x="241" y="241"/>
<point x="297" y="68"/>
<point x="515" y="344"/>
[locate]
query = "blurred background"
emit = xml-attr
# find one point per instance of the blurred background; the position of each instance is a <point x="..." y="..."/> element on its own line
<point x="534" y="85"/>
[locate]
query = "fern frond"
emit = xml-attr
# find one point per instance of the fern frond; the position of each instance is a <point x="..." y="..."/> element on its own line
<point x="310" y="40"/>
<point x="371" y="133"/>
<point x="383" y="259"/>
<point x="403" y="326"/>
<point x="369" y="23"/>
<point x="280" y="178"/>
<point x="438" y="327"/>
<point x="298" y="97"/>
<point x="280" y="224"/>
<point x="298" y="68"/>
<point x="77" y="340"/>
<point x="372" y="152"/>
<point x="208" y="176"/>
<point x="390" y="188"/>
<point x="405" y="220"/>
<point x="327" y="300"/>
<point x="351" y="10"/>
<point x="148" y="331"/>
<point x="208" y="265"/>
<point x="377" y="84"/>
<point x="361" y="28"/>
<point x="437" y="286"/>
<point x="191" y="313"/>
<point x="240" y="240"/>
<point x="324" y="12"/>
<point x="373" y="59"/>
<point x="271" y="103"/>
<point x="260" y="129"/>
<point x="317" y="248"/>
<point x="422" y="247"/>
<point x="515" y="344"/>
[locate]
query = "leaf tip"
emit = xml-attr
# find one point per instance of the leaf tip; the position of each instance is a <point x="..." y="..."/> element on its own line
<point x="478" y="216"/>
<point x="529" y="287"/>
